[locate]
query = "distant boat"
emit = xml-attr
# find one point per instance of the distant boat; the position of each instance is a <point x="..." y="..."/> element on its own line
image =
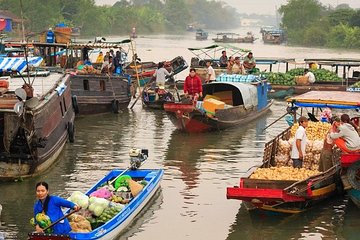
<point x="272" y="35"/>
<point x="234" y="38"/>
<point x="201" y="35"/>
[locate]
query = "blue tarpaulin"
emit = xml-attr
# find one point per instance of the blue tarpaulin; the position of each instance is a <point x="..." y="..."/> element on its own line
<point x="18" y="64"/>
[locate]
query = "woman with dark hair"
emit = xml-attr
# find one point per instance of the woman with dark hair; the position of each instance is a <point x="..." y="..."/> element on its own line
<point x="160" y="74"/>
<point x="347" y="138"/>
<point x="51" y="206"/>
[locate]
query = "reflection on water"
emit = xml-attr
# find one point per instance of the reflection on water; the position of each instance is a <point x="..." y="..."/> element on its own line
<point x="192" y="202"/>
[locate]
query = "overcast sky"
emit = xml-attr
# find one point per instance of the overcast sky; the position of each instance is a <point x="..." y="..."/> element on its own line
<point x="261" y="6"/>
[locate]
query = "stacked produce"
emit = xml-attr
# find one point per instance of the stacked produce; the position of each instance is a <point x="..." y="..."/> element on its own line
<point x="104" y="203"/>
<point x="316" y="132"/>
<point x="321" y="75"/>
<point x="283" y="173"/>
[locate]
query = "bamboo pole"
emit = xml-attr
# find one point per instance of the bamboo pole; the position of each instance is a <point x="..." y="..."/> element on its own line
<point x="136" y="70"/>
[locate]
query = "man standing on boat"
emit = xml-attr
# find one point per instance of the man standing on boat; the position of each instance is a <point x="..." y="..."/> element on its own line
<point x="161" y="74"/>
<point x="193" y="85"/>
<point x="299" y="144"/>
<point x="210" y="77"/>
<point x="223" y="59"/>
<point x="249" y="63"/>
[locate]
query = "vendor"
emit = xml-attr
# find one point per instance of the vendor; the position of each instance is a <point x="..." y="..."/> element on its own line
<point x="309" y="75"/>
<point x="299" y="144"/>
<point x="347" y="139"/>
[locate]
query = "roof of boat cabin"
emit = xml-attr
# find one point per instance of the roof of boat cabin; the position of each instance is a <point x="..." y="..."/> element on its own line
<point x="330" y="99"/>
<point x="41" y="85"/>
<point x="247" y="91"/>
<point x="221" y="47"/>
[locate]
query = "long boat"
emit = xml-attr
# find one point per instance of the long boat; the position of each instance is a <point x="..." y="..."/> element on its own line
<point x="116" y="225"/>
<point x="156" y="98"/>
<point x="297" y="196"/>
<point x="349" y="162"/>
<point x="235" y="104"/>
<point x="35" y="128"/>
<point x="234" y="38"/>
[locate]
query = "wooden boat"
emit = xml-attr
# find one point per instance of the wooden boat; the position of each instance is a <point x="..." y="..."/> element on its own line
<point x="350" y="163"/>
<point x="35" y="129"/>
<point x="121" y="220"/>
<point x="92" y="94"/>
<point x="151" y="101"/>
<point x="142" y="73"/>
<point x="234" y="38"/>
<point x="204" y="54"/>
<point x="244" y="102"/>
<point x="283" y="196"/>
<point x="201" y="35"/>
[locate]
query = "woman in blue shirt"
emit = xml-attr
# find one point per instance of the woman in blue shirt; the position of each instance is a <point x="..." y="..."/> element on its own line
<point x="51" y="206"/>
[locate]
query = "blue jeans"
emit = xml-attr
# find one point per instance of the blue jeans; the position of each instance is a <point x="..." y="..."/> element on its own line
<point x="297" y="163"/>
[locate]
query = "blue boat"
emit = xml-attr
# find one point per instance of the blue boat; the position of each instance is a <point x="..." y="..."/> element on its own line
<point x="120" y="221"/>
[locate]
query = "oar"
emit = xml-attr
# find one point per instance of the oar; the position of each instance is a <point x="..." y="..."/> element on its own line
<point x="141" y="93"/>
<point x="60" y="219"/>
<point x="177" y="92"/>
<point x="122" y="173"/>
<point x="275" y="121"/>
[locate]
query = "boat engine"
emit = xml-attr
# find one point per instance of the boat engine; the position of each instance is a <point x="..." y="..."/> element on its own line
<point x="137" y="156"/>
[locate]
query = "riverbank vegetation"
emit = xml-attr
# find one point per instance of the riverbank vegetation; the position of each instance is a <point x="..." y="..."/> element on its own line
<point x="148" y="16"/>
<point x="309" y="23"/>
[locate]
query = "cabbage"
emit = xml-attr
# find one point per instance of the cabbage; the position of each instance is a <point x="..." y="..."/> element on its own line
<point x="98" y="210"/>
<point x="80" y="199"/>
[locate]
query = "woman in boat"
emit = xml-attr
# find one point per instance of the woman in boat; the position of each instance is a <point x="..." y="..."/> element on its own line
<point x="51" y="206"/>
<point x="230" y="64"/>
<point x="347" y="139"/>
<point x="193" y="85"/>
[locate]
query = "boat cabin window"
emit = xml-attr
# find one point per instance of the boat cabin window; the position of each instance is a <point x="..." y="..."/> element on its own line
<point x="86" y="85"/>
<point x="102" y="85"/>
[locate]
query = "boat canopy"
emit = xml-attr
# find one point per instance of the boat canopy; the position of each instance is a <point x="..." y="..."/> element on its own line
<point x="331" y="99"/>
<point x="210" y="51"/>
<point x="18" y="64"/>
<point x="242" y="94"/>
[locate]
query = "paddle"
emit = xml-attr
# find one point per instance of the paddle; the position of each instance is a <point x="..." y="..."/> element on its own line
<point x="177" y="92"/>
<point x="62" y="218"/>
<point x="275" y="121"/>
<point x="141" y="92"/>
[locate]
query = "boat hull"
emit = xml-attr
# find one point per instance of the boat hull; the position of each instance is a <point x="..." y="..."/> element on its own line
<point x="354" y="196"/>
<point x="47" y="128"/>
<point x="94" y="94"/>
<point x="280" y="196"/>
<point x="307" y="88"/>
<point x="118" y="224"/>
<point x="186" y="118"/>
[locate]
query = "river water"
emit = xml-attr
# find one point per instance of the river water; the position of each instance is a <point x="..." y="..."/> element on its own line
<point x="191" y="203"/>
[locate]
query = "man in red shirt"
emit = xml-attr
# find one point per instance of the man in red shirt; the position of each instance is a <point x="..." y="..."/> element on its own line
<point x="193" y="84"/>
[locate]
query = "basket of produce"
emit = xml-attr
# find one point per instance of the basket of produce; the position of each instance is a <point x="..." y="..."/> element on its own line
<point x="302" y="80"/>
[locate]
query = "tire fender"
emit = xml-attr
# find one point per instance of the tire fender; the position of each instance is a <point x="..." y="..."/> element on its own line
<point x="71" y="131"/>
<point x="75" y="104"/>
<point x="115" y="106"/>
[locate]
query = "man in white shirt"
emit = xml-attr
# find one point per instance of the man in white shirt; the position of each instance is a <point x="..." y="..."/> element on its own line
<point x="210" y="77"/>
<point x="299" y="144"/>
<point x="310" y="75"/>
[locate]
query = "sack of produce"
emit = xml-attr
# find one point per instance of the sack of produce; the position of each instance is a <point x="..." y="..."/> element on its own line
<point x="135" y="187"/>
<point x="98" y="205"/>
<point x="302" y="80"/>
<point x="42" y="220"/>
<point x="80" y="199"/>
<point x="102" y="193"/>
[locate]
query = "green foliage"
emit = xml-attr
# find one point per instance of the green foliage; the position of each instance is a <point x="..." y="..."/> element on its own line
<point x="308" y="23"/>
<point x="146" y="15"/>
<point x="341" y="15"/>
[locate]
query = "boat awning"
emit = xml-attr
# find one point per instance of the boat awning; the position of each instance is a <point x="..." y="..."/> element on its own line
<point x="247" y="92"/>
<point x="331" y="99"/>
<point x="18" y="64"/>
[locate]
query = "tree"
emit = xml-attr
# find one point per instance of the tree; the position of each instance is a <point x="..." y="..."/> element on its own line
<point x="341" y="15"/>
<point x="355" y="19"/>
